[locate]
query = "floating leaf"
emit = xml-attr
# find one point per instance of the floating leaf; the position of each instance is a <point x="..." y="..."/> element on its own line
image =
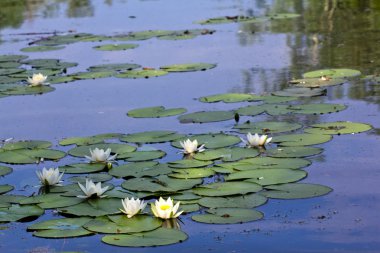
<point x="211" y="140"/>
<point x="144" y="73"/>
<point x="115" y="47"/>
<point x="316" y="82"/>
<point x="296" y="191"/>
<point x="12" y="57"/>
<point x="155" y="112"/>
<point x="188" y="67"/>
<point x="192" y="173"/>
<point x="245" y="201"/>
<point x="339" y="127"/>
<point x="116" y="148"/>
<point x="28" y="90"/>
<point x="5" y="188"/>
<point x="226" y="189"/>
<point x="99" y="177"/>
<point x="206" y="117"/>
<point x="61" y="228"/>
<point x="152" y="137"/>
<point x="138" y="169"/>
<point x="268" y="176"/>
<point x="94" y="207"/>
<point x="17" y="212"/>
<point x="228" y="216"/>
<point x="24" y="156"/>
<point x="5" y="170"/>
<point x="288" y="152"/>
<point x="6" y="72"/>
<point x="189" y="163"/>
<point x="231" y="19"/>
<point x="80" y="141"/>
<point x="316" y="108"/>
<point x="251" y="110"/>
<point x="142" y="35"/>
<point x="227" y="154"/>
<point x="301" y="139"/>
<point x="300" y="92"/>
<point x="60" y="79"/>
<point x="92" y="75"/>
<point x="41" y="48"/>
<point x="283" y="15"/>
<point x="230" y="98"/>
<point x="140" y="156"/>
<point x="158" y="237"/>
<point x="267" y="127"/>
<point x="113" y="67"/>
<point x="51" y="201"/>
<point x="333" y="73"/>
<point x="81" y="168"/>
<point x="267" y="163"/>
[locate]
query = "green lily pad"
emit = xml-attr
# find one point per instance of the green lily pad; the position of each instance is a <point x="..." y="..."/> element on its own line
<point x="245" y="201"/>
<point x="155" y="112"/>
<point x="266" y="163"/>
<point x="227" y="154"/>
<point x="6" y="72"/>
<point x="269" y="99"/>
<point x="120" y="224"/>
<point x="5" y="188"/>
<point x="206" y="117"/>
<point x="231" y="19"/>
<point x="60" y="79"/>
<point x="300" y="92"/>
<point x="228" y="216"/>
<point x="51" y="201"/>
<point x="188" y="67"/>
<point x="268" y="176"/>
<point x="141" y="35"/>
<point x="267" y="127"/>
<point x="28" y="90"/>
<point x="10" y="65"/>
<point x="116" y="148"/>
<point x="160" y="184"/>
<point x="189" y="163"/>
<point x="152" y="137"/>
<point x="297" y="152"/>
<point x="138" y="169"/>
<point x="333" y="73"/>
<point x="296" y="191"/>
<point x="24" y="156"/>
<point x="81" y="168"/>
<point x="92" y="75"/>
<point x="113" y="67"/>
<point x="61" y="228"/>
<point x="140" y="156"/>
<point x="10" y="199"/>
<point x="316" y="108"/>
<point x="80" y="141"/>
<point x="226" y="189"/>
<point x="99" y="177"/>
<point x="192" y="173"/>
<point x="144" y="73"/>
<point x="158" y="237"/>
<point x="251" y="110"/>
<point x="12" y="57"/>
<point x="5" y="170"/>
<point x="115" y="47"/>
<point x="211" y="140"/>
<point x="94" y="207"/>
<point x="41" y="48"/>
<point x="230" y="98"/>
<point x="316" y="82"/>
<point x="301" y="139"/>
<point x="17" y="212"/>
<point x="339" y="127"/>
<point x="30" y="144"/>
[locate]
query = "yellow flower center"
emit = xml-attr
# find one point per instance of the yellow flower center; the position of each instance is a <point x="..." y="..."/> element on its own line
<point x="165" y="207"/>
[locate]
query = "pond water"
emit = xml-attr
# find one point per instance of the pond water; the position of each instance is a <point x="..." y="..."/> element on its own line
<point x="257" y="58"/>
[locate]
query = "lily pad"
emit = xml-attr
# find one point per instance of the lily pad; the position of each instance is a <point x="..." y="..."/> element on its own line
<point x="94" y="207"/>
<point x="113" y="67"/>
<point x="140" y="156"/>
<point x="5" y="188"/>
<point x="339" y="127"/>
<point x="268" y="176"/>
<point x="41" y="48"/>
<point x="300" y="92"/>
<point x="228" y="216"/>
<point x="316" y="82"/>
<point x="61" y="228"/>
<point x="51" y="201"/>
<point x="152" y="137"/>
<point x="80" y="141"/>
<point x="296" y="152"/>
<point x="188" y="67"/>
<point x="211" y="140"/>
<point x="99" y="177"/>
<point x="158" y="237"/>
<point x="316" y="108"/>
<point x="227" y="154"/>
<point x="301" y="139"/>
<point x="5" y="170"/>
<point x="267" y="127"/>
<point x="206" y="117"/>
<point x="81" y="168"/>
<point x="24" y="156"/>
<point x="155" y="112"/>
<point x="17" y="212"/>
<point x="333" y="73"/>
<point x="116" y="148"/>
<point x="230" y="19"/>
<point x="226" y="189"/>
<point x="28" y="90"/>
<point x="189" y="163"/>
<point x="120" y="224"/>
<point x="115" y="47"/>
<point x="230" y="98"/>
<point x="138" y="169"/>
<point x="91" y="75"/>
<point x="296" y="191"/>
<point x="267" y="163"/>
<point x="192" y="173"/>
<point x="144" y="73"/>
<point x="6" y="72"/>
<point x="12" y="57"/>
<point x="245" y="201"/>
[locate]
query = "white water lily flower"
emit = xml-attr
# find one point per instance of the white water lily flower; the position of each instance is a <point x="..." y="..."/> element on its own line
<point x="101" y="156"/>
<point x="50" y="176"/>
<point x="132" y="206"/>
<point x="164" y="209"/>
<point x="256" y="140"/>
<point x="92" y="190"/>
<point x="190" y="147"/>
<point x="37" y="80"/>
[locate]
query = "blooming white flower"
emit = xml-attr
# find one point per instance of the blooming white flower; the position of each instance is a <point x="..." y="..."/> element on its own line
<point x="92" y="190"/>
<point x="132" y="206"/>
<point x="190" y="147"/>
<point x="256" y="140"/>
<point x="101" y="156"/>
<point x="50" y="176"/>
<point x="37" y="80"/>
<point x="164" y="209"/>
